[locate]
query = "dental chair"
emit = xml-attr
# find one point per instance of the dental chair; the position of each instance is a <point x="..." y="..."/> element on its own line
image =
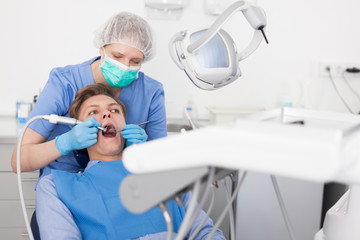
<point x="35" y="227"/>
<point x="82" y="157"/>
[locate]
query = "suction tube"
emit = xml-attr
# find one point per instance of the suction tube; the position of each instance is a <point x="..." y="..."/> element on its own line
<point x="53" y="119"/>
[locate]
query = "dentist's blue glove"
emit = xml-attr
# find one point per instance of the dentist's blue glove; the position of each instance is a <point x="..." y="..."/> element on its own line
<point x="81" y="136"/>
<point x="134" y="134"/>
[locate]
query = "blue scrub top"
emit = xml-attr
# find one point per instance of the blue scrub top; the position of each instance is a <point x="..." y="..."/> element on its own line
<point x="143" y="98"/>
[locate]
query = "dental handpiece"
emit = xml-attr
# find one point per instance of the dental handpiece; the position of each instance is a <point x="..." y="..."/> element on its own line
<point x="52" y="118"/>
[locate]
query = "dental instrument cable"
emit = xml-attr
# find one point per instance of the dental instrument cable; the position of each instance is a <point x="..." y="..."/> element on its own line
<point x="165" y="211"/>
<point x="208" y="211"/>
<point x="195" y="214"/>
<point x="193" y="125"/>
<point x="349" y="86"/>
<point x="196" y="191"/>
<point x="52" y="119"/>
<point x="228" y="205"/>
<point x="231" y="212"/>
<point x="337" y="90"/>
<point x="18" y="169"/>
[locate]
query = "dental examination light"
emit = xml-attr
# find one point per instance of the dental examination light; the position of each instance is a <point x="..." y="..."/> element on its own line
<point x="209" y="56"/>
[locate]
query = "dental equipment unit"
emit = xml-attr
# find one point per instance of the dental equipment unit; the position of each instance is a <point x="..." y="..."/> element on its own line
<point x="324" y="148"/>
<point x="209" y="57"/>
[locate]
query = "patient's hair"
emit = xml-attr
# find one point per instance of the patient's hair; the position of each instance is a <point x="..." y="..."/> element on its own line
<point x="90" y="91"/>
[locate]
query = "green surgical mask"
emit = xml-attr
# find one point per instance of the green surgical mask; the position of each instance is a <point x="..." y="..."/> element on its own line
<point x="117" y="74"/>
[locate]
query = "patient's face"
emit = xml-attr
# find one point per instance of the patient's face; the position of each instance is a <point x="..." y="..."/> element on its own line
<point x="107" y="111"/>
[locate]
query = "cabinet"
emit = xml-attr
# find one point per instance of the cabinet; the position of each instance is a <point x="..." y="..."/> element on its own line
<point x="12" y="224"/>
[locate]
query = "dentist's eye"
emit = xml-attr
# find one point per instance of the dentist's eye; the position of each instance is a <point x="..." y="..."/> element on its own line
<point x="135" y="62"/>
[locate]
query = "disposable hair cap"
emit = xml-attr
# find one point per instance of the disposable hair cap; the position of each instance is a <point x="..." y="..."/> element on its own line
<point x="129" y="29"/>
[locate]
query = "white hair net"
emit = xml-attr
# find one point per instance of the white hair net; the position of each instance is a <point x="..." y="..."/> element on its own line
<point x="129" y="29"/>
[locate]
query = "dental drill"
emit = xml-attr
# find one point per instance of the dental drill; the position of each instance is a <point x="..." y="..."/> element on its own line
<point x="52" y="118"/>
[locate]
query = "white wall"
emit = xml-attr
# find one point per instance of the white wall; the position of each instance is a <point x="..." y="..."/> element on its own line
<point x="259" y="214"/>
<point x="41" y="34"/>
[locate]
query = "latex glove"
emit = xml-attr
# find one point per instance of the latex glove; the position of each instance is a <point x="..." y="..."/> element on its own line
<point x="79" y="137"/>
<point x="134" y="134"/>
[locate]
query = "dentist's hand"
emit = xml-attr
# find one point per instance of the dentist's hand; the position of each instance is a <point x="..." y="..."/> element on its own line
<point x="81" y="136"/>
<point x="134" y="134"/>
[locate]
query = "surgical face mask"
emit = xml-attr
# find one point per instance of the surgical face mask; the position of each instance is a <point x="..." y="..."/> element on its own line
<point x="117" y="74"/>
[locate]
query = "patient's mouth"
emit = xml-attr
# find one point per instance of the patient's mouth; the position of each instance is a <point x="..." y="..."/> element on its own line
<point x="110" y="131"/>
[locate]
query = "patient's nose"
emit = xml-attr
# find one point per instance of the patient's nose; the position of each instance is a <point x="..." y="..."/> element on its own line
<point x="106" y="115"/>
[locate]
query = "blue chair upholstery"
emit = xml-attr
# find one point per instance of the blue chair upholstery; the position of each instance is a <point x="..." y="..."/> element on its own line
<point x="34" y="227"/>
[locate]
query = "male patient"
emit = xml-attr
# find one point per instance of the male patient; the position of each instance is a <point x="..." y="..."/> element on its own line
<point x="87" y="205"/>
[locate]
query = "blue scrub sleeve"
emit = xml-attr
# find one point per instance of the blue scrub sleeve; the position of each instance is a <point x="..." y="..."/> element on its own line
<point x="54" y="99"/>
<point x="206" y="228"/>
<point x="156" y="128"/>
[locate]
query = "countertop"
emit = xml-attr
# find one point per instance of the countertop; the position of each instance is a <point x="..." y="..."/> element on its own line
<point x="10" y="129"/>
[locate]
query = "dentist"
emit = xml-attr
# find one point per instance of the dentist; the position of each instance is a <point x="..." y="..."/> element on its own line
<point x="125" y="42"/>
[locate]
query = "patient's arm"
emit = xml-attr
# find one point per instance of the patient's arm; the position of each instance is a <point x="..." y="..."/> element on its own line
<point x="54" y="218"/>
<point x="206" y="228"/>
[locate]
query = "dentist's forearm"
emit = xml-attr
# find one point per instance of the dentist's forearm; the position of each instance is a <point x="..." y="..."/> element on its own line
<point x="36" y="156"/>
<point x="35" y="152"/>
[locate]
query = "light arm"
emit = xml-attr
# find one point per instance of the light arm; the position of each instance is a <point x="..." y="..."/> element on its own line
<point x="254" y="15"/>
